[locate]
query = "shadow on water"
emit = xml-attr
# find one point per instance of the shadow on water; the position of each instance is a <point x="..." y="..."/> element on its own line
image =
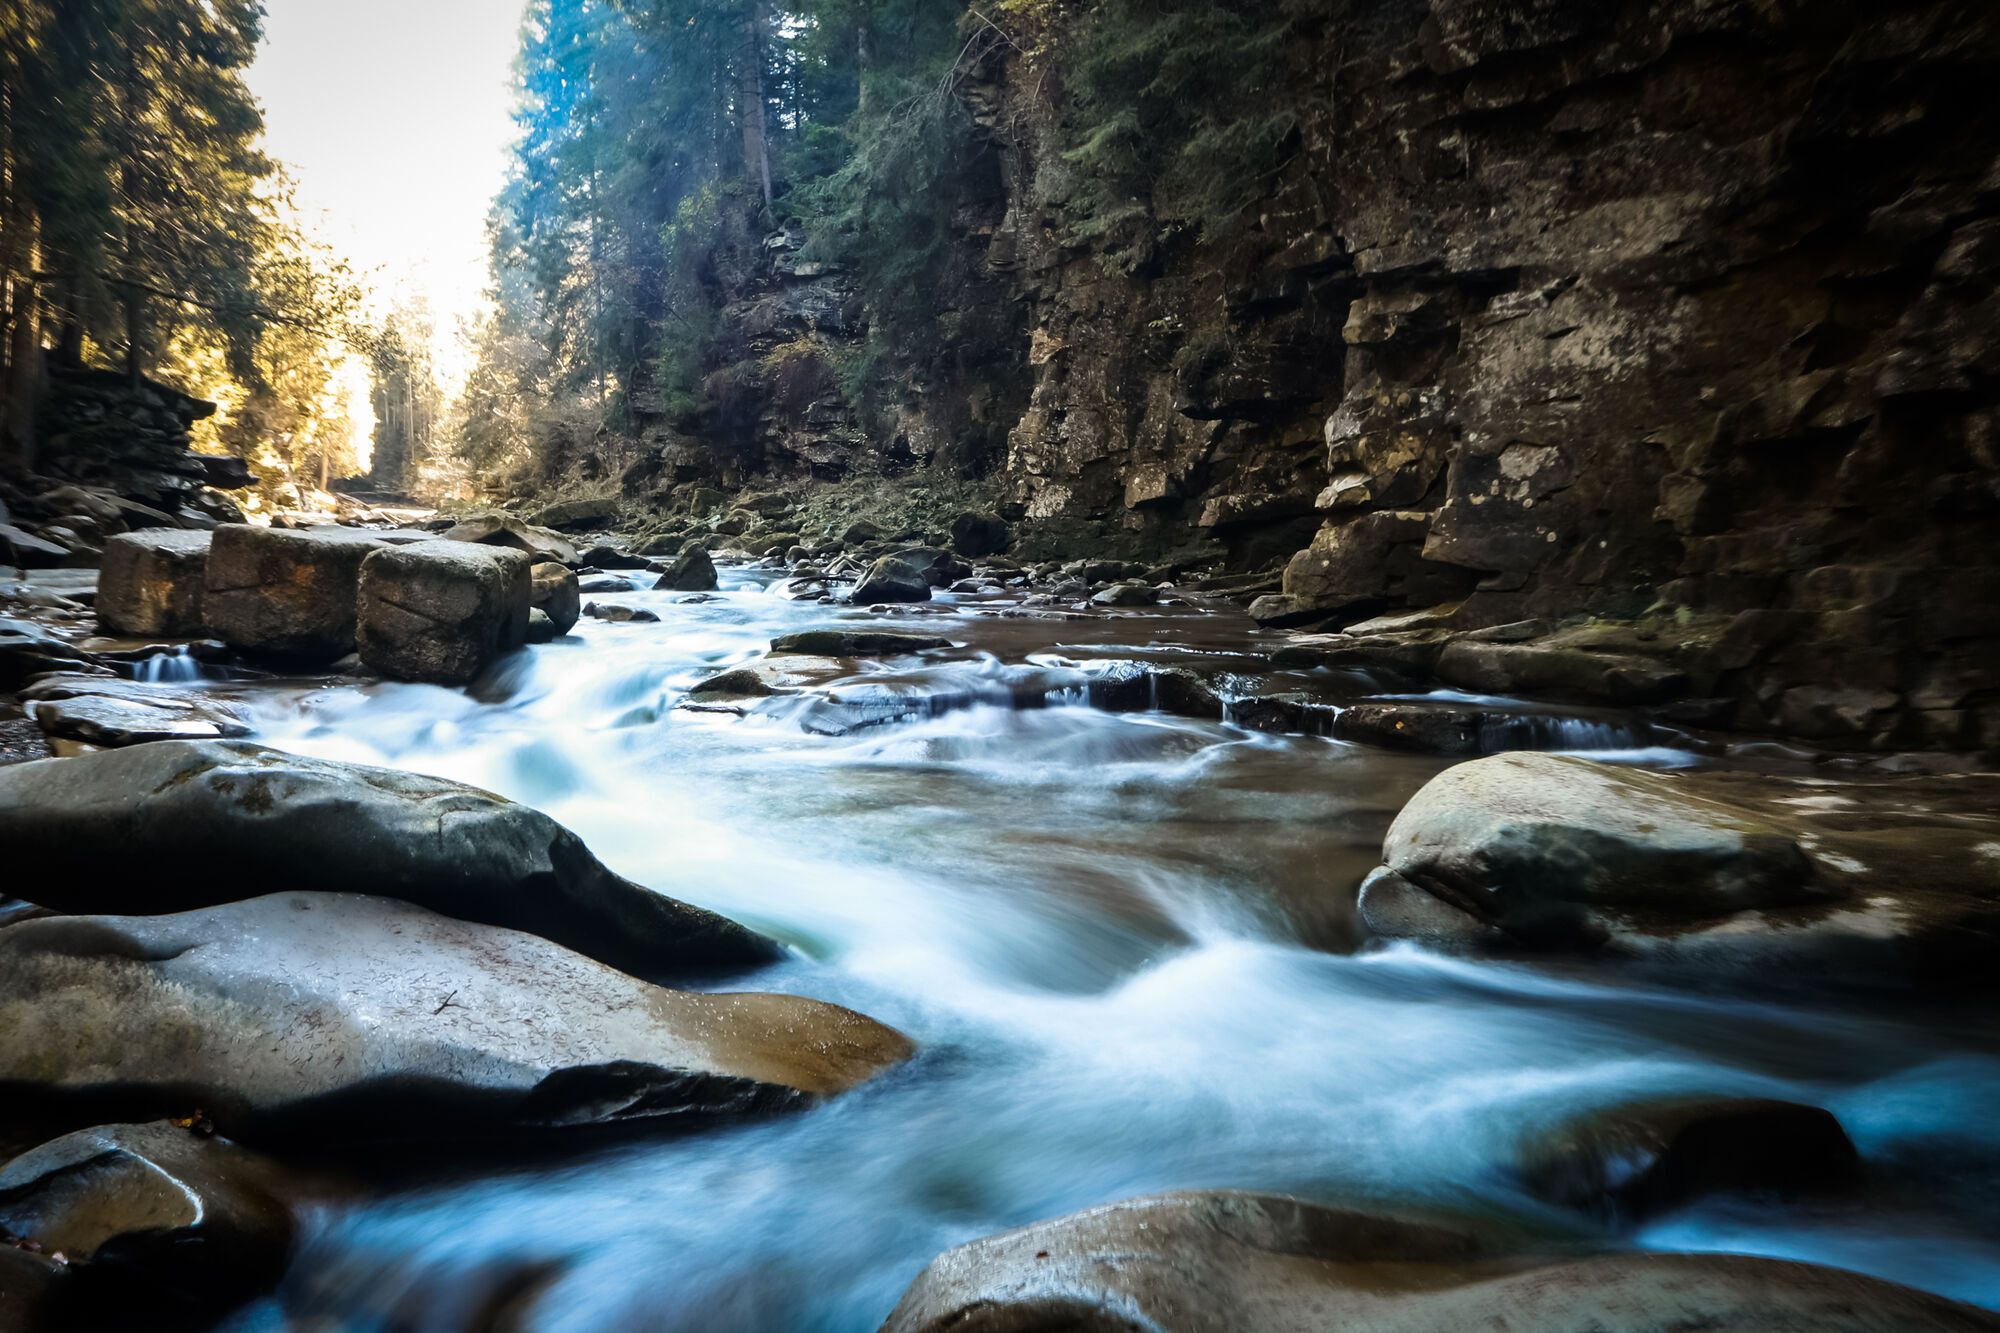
<point x="1126" y="942"/>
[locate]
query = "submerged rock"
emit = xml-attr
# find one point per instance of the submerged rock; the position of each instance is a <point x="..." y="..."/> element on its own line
<point x="152" y="1215"/>
<point x="181" y="824"/>
<point x="1224" y="1262"/>
<point x="151" y="583"/>
<point x="1633" y="1162"/>
<point x="619" y="613"/>
<point x="441" y="611"/>
<point x="1878" y="880"/>
<point x="345" y="1017"/>
<point x="854" y="643"/>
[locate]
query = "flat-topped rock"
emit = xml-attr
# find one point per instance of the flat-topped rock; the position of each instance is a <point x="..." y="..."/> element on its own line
<point x="178" y="825"/>
<point x="289" y="592"/>
<point x="350" y="1016"/>
<point x="507" y="530"/>
<point x="1224" y="1262"/>
<point x="151" y="583"/>
<point x="107" y="710"/>
<point x="854" y="643"/>
<point x="441" y="611"/>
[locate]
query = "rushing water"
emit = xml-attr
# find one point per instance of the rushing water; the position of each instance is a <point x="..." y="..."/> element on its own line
<point x="1127" y="946"/>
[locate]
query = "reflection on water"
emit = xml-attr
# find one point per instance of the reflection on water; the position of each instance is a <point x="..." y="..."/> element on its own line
<point x="1126" y="943"/>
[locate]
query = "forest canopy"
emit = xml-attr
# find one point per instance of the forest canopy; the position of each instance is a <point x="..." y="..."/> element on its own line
<point x="143" y="228"/>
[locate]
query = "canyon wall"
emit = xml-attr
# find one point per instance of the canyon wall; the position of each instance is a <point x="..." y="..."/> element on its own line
<point x="1559" y="308"/>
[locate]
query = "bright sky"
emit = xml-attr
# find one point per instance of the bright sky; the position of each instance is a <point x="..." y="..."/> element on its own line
<point x="393" y="115"/>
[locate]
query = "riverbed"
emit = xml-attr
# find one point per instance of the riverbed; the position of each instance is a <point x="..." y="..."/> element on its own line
<point x="1126" y="944"/>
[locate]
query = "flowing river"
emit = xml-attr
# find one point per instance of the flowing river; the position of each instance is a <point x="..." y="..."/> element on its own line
<point x="1126" y="945"/>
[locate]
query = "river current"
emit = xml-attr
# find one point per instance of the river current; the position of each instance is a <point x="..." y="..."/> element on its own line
<point x="1126" y="945"/>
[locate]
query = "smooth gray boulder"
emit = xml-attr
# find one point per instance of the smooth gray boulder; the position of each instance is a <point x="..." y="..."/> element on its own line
<point x="553" y="590"/>
<point x="319" y="1016"/>
<point x="289" y="592"/>
<point x="151" y="583"/>
<point x="1224" y="1262"/>
<point x="1876" y="880"/>
<point x="184" y="824"/>
<point x="441" y="611"/>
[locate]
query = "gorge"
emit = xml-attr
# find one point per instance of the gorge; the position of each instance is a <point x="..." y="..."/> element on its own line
<point x="1108" y="665"/>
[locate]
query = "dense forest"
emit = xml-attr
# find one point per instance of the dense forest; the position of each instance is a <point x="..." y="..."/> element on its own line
<point x="142" y="228"/>
<point x="664" y="145"/>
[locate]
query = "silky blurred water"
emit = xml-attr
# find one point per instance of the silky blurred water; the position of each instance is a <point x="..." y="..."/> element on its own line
<point x="1127" y="946"/>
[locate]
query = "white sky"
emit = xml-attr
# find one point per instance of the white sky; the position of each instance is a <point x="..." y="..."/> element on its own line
<point x="393" y="116"/>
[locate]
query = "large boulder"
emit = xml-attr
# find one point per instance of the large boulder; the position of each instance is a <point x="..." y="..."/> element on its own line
<point x="578" y="515"/>
<point x="509" y="531"/>
<point x="553" y="590"/>
<point x="317" y="1016"/>
<point x="693" y="570"/>
<point x="1220" y="1262"/>
<point x="152" y="1213"/>
<point x="974" y="534"/>
<point x="150" y="583"/>
<point x="183" y="824"/>
<point x="289" y="592"/>
<point x="909" y="575"/>
<point x="105" y="710"/>
<point x="1881" y="880"/>
<point x="440" y="611"/>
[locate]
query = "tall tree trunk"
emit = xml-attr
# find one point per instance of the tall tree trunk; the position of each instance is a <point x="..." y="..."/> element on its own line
<point x="128" y="177"/>
<point x="750" y="96"/>
<point x="864" y="62"/>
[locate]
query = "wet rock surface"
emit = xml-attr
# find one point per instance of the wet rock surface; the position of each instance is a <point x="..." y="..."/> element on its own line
<point x="1882" y="880"/>
<point x="135" y="830"/>
<point x="1209" y="1262"/>
<point x="1632" y="1162"/>
<point x="106" y="711"/>
<point x="349" y="1016"/>
<point x="153" y="1220"/>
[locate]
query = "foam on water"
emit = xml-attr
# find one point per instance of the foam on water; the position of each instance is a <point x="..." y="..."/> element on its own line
<point x="1125" y="943"/>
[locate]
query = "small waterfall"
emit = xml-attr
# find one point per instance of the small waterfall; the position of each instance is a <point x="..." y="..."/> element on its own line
<point x="176" y="666"/>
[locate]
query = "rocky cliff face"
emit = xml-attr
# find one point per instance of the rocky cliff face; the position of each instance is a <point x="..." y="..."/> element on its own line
<point x="1573" y="307"/>
<point x="1561" y="308"/>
